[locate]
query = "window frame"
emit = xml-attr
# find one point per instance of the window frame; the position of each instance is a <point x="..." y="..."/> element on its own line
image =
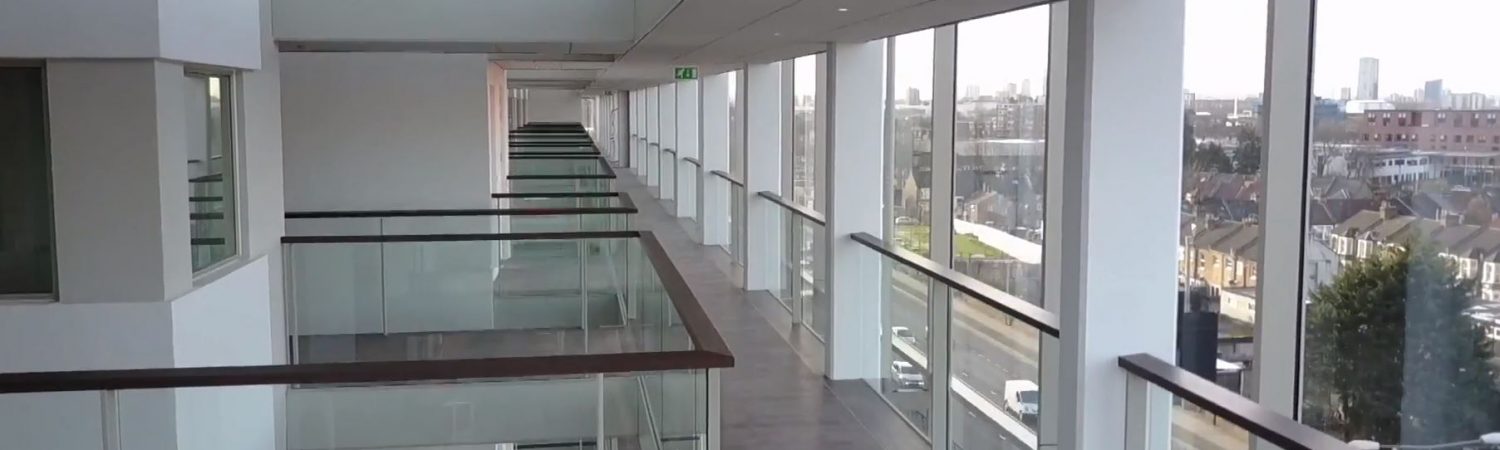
<point x="52" y="295"/>
<point x="234" y="187"/>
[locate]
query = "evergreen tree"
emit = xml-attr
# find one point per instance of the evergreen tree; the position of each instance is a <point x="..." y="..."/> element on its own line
<point x="1247" y="155"/>
<point x="1391" y="356"/>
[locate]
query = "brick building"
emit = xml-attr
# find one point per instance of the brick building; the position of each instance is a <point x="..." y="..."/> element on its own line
<point x="1432" y="129"/>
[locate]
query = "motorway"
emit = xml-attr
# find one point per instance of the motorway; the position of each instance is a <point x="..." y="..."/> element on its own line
<point x="986" y="352"/>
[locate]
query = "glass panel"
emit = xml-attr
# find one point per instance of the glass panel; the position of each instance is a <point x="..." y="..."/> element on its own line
<point x="1223" y="72"/>
<point x="1000" y="150"/>
<point x="474" y="299"/>
<point x="815" y="305"/>
<point x="1194" y="428"/>
<point x="804" y="130"/>
<point x="906" y="347"/>
<point x="909" y="202"/>
<point x="1400" y="259"/>
<point x="788" y="263"/>
<point x="558" y="202"/>
<point x="562" y="185"/>
<point x="569" y="166"/>
<point x="211" y="172"/>
<point x="27" y="258"/>
<point x="995" y="376"/>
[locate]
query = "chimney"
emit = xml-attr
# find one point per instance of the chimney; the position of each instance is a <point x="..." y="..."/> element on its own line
<point x="1387" y="211"/>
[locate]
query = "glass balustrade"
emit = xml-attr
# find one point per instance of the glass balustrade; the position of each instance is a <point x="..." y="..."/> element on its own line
<point x="559" y="166"/>
<point x="445" y="299"/>
<point x="643" y="410"/>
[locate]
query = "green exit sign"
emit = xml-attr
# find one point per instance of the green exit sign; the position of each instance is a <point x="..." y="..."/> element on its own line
<point x="685" y="73"/>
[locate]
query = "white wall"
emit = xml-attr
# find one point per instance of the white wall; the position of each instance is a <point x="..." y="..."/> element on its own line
<point x="516" y="21"/>
<point x="226" y="323"/>
<point x="554" y="105"/>
<point x="219" y="32"/>
<point x="384" y="131"/>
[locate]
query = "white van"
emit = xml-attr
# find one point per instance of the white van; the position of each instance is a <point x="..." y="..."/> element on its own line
<point x="1021" y="398"/>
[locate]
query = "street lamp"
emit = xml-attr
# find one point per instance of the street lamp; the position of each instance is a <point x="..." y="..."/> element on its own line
<point x="1487" y="439"/>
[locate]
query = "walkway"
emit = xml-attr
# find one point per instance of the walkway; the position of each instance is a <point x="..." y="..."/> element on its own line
<point x="773" y="398"/>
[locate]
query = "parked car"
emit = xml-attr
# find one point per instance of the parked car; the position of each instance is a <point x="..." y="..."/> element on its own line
<point x="904" y="333"/>
<point x="1022" y="398"/>
<point x="907" y="376"/>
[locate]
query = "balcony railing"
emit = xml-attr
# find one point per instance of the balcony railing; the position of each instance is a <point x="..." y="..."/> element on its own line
<point x="659" y="389"/>
<point x="513" y="213"/>
<point x="734" y="196"/>
<point x="803" y="263"/>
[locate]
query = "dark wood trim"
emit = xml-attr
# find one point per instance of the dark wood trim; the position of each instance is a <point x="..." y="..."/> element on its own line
<point x="460" y="212"/>
<point x="362" y="372"/>
<point x="205" y="242"/>
<point x="727" y="177"/>
<point x="1020" y="309"/>
<point x="699" y="327"/>
<point x="1261" y="422"/>
<point x="206" y="216"/>
<point x="210" y="178"/>
<point x="800" y="210"/>
<point x="670" y="150"/>
<point x="606" y="176"/>
<point x="205" y="199"/>
<point x="536" y="236"/>
<point x="555" y="194"/>
<point x="693" y="161"/>
<point x="556" y="155"/>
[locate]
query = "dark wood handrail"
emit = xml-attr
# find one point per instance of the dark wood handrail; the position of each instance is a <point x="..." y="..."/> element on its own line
<point x="1020" y="309"/>
<point x="556" y="155"/>
<point x="602" y="176"/>
<point x="362" y="372"/>
<point x="805" y="212"/>
<point x="461" y="237"/>
<point x="670" y="150"/>
<point x="727" y="177"/>
<point x="1261" y="422"/>
<point x="557" y="195"/>
<point x="627" y="206"/>
<point x="709" y="351"/>
<point x="693" y="161"/>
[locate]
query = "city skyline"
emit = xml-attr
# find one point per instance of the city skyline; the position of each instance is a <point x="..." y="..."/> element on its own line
<point x="1224" y="48"/>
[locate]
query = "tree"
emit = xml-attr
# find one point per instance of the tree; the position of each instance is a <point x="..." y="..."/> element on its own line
<point x="1247" y="155"/>
<point x="1210" y="157"/>
<point x="1391" y="357"/>
<point x="1189" y="143"/>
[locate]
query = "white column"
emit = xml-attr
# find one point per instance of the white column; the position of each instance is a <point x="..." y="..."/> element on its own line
<point x="687" y="146"/>
<point x="668" y="120"/>
<point x="763" y="112"/>
<point x="1286" y="117"/>
<point x="1121" y="169"/>
<point x="715" y="157"/>
<point x="120" y="189"/>
<point x="653" y="137"/>
<point x="1052" y="274"/>
<point x="856" y="111"/>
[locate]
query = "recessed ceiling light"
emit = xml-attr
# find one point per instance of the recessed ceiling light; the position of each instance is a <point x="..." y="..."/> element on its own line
<point x="843" y="9"/>
<point x="776" y="34"/>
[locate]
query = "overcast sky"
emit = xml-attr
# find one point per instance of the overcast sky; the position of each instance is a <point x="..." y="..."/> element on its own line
<point x="1225" y="47"/>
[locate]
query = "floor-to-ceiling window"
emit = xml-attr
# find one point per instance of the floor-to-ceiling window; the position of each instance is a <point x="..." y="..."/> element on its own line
<point x="27" y="259"/>
<point x="1401" y="319"/>
<point x="211" y="168"/>
<point x="804" y="130"/>
<point x="998" y="179"/>
<point x="908" y="217"/>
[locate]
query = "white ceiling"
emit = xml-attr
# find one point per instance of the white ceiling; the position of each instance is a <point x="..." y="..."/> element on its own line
<point x="719" y="35"/>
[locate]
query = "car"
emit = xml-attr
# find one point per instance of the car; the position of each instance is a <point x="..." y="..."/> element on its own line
<point x="904" y="333"/>
<point x="907" y="376"/>
<point x="1022" y="398"/>
<point x="904" y="220"/>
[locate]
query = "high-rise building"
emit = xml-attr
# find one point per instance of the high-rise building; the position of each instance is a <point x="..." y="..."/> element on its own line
<point x="1011" y="89"/>
<point x="1026" y="87"/>
<point x="971" y="91"/>
<point x="1432" y="94"/>
<point x="913" y="96"/>
<point x="1345" y="94"/>
<point x="1369" y="79"/>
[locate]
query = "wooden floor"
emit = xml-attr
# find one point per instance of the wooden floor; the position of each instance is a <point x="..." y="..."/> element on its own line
<point x="775" y="397"/>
